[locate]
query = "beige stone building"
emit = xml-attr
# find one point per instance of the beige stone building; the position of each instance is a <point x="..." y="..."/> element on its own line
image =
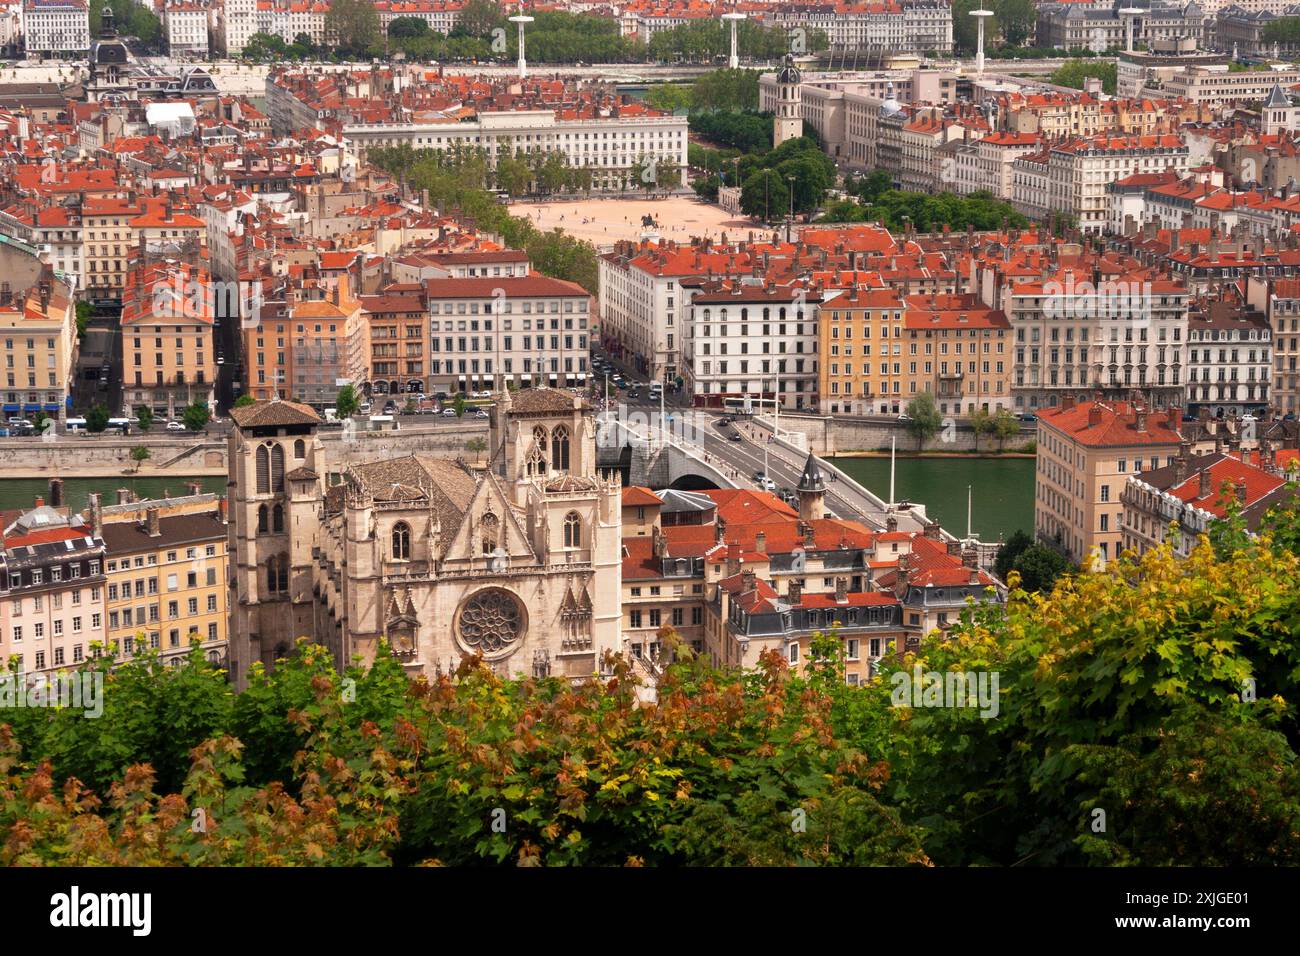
<point x="519" y="563"/>
<point x="38" y="329"/>
<point x="1087" y="451"/>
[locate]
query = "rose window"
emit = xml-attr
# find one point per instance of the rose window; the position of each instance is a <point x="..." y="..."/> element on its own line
<point x="491" y="621"/>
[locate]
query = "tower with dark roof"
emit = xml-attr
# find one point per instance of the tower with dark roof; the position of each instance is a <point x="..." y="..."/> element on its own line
<point x="789" y="103"/>
<point x="812" y="491"/>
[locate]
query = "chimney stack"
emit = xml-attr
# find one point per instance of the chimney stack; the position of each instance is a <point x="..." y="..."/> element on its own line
<point x="747" y="580"/>
<point x="154" y="525"/>
<point x="795" y="593"/>
<point x="760" y="543"/>
<point x="1205" y="483"/>
<point x="56" y="492"/>
<point x="841" y="590"/>
<point x="97" y="513"/>
<point x="124" y="496"/>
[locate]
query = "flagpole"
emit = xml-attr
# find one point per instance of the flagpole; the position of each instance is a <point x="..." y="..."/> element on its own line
<point x="893" y="445"/>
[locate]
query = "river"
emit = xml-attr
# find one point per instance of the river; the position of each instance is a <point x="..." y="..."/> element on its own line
<point x="1002" y="490"/>
<point x="22" y="492"/>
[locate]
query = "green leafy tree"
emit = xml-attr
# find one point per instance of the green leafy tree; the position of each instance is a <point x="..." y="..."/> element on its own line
<point x="1074" y="72"/>
<point x="477" y="18"/>
<point x="477" y="446"/>
<point x="1015" y="20"/>
<point x="1010" y="550"/>
<point x="144" y="417"/>
<point x="1039" y="566"/>
<point x="83" y="318"/>
<point x="407" y="28"/>
<point x="244" y="401"/>
<point x="1005" y="425"/>
<point x="97" y="418"/>
<point x="923" y="419"/>
<point x="458" y="405"/>
<point x="981" y="423"/>
<point x="355" y="26"/>
<point x="140" y="454"/>
<point x="196" y="416"/>
<point x="346" y="402"/>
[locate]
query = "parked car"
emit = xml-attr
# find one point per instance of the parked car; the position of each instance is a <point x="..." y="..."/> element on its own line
<point x="767" y="484"/>
<point x="175" y="427"/>
<point x="904" y="417"/>
<point x="481" y="413"/>
<point x="19" y="423"/>
<point x="449" y="413"/>
<point x="1027" y="417"/>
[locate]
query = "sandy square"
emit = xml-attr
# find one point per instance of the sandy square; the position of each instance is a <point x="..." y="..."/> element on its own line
<point x="604" y="222"/>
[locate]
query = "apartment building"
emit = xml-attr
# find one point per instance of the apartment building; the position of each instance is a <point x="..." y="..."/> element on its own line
<point x="488" y="333"/>
<point x="168" y="351"/>
<point x="1217" y="85"/>
<point x="56" y="27"/>
<point x="109" y="243"/>
<point x="1230" y="360"/>
<point x="959" y="351"/>
<point x="1077" y="331"/>
<point x="166" y="581"/>
<point x="398" y="350"/>
<point x="1087" y="451"/>
<point x="1279" y="300"/>
<point x="234" y="22"/>
<point x="752" y="340"/>
<point x="645" y="296"/>
<point x="861" y="335"/>
<point x="1194" y="491"/>
<point x="51" y="590"/>
<point x="306" y="340"/>
<point x="1079" y="170"/>
<point x="38" y="328"/>
<point x="186" y="28"/>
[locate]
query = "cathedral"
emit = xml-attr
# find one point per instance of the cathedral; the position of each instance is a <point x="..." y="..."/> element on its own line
<point x="519" y="562"/>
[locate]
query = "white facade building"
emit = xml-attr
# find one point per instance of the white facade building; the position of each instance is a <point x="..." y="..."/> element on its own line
<point x="56" y="27"/>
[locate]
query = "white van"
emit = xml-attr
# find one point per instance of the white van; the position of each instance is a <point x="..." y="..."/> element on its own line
<point x="656" y="389"/>
<point x="383" y="423"/>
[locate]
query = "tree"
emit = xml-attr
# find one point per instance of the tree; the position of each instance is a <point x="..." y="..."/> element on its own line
<point x="477" y="446"/>
<point x="981" y="423"/>
<point x="458" y="405"/>
<point x="196" y="416"/>
<point x="83" y="318"/>
<point x="140" y="454"/>
<point x="144" y="417"/>
<point x="1074" y="72"/>
<point x="670" y="97"/>
<point x="1015" y="19"/>
<point x="477" y="18"/>
<point x="513" y="175"/>
<point x="1011" y="549"/>
<point x="355" y="24"/>
<point x="407" y="28"/>
<point x="1005" y="425"/>
<point x="923" y="419"/>
<point x="243" y="401"/>
<point x="1039" y="566"/>
<point x="346" y="403"/>
<point x="97" y="418"/>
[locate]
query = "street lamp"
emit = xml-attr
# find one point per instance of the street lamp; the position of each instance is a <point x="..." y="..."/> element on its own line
<point x="789" y="227"/>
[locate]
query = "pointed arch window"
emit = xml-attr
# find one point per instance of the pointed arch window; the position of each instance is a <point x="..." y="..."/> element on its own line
<point x="537" y="456"/>
<point x="560" y="448"/>
<point x="489" y="533"/>
<point x="263" y="470"/>
<point x="572" y="530"/>
<point x="262" y="526"/>
<point x="401" y="541"/>
<point x="277" y="519"/>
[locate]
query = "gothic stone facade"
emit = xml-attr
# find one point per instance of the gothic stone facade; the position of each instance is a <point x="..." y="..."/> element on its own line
<point x="519" y="562"/>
